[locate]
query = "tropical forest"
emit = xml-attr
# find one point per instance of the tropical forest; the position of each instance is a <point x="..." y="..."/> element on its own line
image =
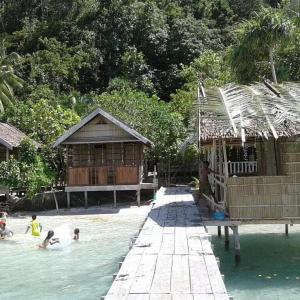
<point x="141" y="61"/>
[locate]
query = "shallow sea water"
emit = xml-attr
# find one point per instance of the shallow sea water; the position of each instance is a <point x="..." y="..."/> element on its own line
<point x="82" y="270"/>
<point x="270" y="263"/>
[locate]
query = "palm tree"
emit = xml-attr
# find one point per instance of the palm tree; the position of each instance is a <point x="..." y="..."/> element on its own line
<point x="8" y="79"/>
<point x="259" y="37"/>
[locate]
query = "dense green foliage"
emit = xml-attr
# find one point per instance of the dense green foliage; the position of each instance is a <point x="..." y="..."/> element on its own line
<point x="139" y="60"/>
<point x="28" y="170"/>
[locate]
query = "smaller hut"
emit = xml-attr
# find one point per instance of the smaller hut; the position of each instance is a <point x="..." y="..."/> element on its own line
<point x="104" y="154"/>
<point x="10" y="140"/>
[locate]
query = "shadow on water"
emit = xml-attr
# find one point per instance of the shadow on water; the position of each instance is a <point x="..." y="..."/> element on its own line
<point x="269" y="268"/>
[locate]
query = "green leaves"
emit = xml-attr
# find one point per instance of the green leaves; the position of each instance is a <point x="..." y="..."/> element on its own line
<point x="8" y="79"/>
<point x="29" y="171"/>
<point x="257" y="40"/>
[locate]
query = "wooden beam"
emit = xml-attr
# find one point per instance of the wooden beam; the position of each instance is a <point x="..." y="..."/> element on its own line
<point x="115" y="198"/>
<point x="85" y="199"/>
<point x="226" y="173"/>
<point x="138" y="197"/>
<point x="7" y="154"/>
<point x="68" y="200"/>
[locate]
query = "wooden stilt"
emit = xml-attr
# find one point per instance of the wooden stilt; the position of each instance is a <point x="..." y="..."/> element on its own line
<point x="138" y="197"/>
<point x="115" y="198"/>
<point x="219" y="231"/>
<point x="68" y="200"/>
<point x="85" y="199"/>
<point x="286" y="229"/>
<point x="226" y="232"/>
<point x="237" y="247"/>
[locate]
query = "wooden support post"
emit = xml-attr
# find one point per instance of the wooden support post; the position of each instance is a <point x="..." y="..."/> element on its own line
<point x="219" y="231"/>
<point x="237" y="247"/>
<point x="85" y="199"/>
<point x="138" y="197"/>
<point x="286" y="229"/>
<point x="115" y="198"/>
<point x="7" y="154"/>
<point x="68" y="200"/>
<point x="226" y="231"/>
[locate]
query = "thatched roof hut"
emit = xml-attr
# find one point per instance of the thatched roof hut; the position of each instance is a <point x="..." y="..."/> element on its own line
<point x="250" y="135"/>
<point x="258" y="110"/>
<point x="10" y="140"/>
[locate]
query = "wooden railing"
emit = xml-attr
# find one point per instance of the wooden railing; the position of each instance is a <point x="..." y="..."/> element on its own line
<point x="241" y="167"/>
<point x="103" y="175"/>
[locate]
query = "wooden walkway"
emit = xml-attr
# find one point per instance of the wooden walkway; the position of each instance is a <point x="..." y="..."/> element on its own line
<point x="172" y="258"/>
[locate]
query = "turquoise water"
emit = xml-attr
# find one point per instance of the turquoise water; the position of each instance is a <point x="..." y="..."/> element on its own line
<point x="82" y="270"/>
<point x="270" y="263"/>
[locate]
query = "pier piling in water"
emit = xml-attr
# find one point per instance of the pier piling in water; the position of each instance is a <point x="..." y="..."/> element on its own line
<point x="226" y="231"/>
<point x="219" y="231"/>
<point x="237" y="247"/>
<point x="286" y="229"/>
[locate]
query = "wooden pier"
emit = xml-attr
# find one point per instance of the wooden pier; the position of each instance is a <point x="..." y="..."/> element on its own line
<point x="172" y="258"/>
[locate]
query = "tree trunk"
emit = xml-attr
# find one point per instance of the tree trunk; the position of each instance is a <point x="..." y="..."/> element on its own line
<point x="271" y="54"/>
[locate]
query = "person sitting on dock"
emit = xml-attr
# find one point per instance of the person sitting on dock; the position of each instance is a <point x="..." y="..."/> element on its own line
<point x="49" y="240"/>
<point x="35" y="225"/>
<point x="76" y="234"/>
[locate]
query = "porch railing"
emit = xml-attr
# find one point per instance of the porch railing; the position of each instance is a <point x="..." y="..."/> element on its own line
<point x="103" y="175"/>
<point x="241" y="167"/>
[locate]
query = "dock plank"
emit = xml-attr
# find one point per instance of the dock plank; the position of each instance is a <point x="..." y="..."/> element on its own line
<point x="144" y="275"/>
<point x="168" y="244"/>
<point x="213" y="271"/>
<point x="180" y="279"/>
<point x="121" y="285"/>
<point x="162" y="277"/>
<point x="200" y="283"/>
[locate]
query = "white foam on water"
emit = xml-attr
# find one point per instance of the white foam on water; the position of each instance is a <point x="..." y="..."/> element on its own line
<point x="63" y="233"/>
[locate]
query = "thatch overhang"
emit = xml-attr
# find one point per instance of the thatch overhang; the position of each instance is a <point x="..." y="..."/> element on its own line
<point x="245" y="112"/>
<point x="11" y="137"/>
<point x="99" y="112"/>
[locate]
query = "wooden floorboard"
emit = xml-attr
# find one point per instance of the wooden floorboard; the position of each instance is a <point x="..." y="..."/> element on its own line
<point x="172" y="258"/>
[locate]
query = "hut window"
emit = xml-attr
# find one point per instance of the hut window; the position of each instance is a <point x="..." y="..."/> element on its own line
<point x="100" y="121"/>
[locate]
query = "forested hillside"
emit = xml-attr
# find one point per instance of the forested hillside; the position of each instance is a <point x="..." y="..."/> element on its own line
<point x="140" y="60"/>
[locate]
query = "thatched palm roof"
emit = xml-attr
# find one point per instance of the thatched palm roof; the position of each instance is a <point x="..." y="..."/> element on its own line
<point x="258" y="110"/>
<point x="11" y="137"/>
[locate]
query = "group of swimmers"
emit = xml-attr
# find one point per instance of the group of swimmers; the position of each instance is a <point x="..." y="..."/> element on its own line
<point x="36" y="229"/>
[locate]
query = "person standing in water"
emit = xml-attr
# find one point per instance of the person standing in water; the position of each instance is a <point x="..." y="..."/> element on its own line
<point x="36" y="227"/>
<point x="76" y="234"/>
<point x="49" y="240"/>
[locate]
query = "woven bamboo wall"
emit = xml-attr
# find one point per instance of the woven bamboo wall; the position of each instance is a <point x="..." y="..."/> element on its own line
<point x="269" y="197"/>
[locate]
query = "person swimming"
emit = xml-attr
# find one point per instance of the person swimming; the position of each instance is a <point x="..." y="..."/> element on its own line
<point x="76" y="234"/>
<point x="49" y="240"/>
<point x="5" y="231"/>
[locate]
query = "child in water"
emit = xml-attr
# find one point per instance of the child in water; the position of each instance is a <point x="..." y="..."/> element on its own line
<point x="76" y="234"/>
<point x="5" y="231"/>
<point x="49" y="240"/>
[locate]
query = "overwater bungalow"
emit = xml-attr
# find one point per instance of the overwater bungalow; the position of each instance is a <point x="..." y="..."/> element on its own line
<point x="250" y="136"/>
<point x="104" y="154"/>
